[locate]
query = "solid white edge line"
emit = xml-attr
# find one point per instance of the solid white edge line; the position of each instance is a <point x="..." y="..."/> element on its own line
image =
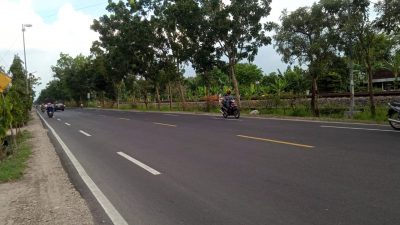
<point x="108" y="207"/>
<point x="359" y="128"/>
<point x="316" y="121"/>
<point x="138" y="163"/>
<point x="67" y="124"/>
<point x="84" y="133"/>
<point x="58" y="119"/>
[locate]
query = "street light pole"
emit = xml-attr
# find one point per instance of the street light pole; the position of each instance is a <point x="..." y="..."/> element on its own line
<point x="26" y="67"/>
<point x="351" y="75"/>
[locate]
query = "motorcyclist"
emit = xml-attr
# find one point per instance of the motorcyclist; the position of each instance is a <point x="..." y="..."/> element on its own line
<point x="227" y="98"/>
<point x="43" y="107"/>
<point x="50" y="107"/>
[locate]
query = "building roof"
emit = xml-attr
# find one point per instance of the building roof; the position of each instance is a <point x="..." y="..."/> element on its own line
<point x="383" y="74"/>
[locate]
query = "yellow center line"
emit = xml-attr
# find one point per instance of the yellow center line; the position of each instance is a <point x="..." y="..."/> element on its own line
<point x="124" y="119"/>
<point x="165" y="124"/>
<point x="276" y="141"/>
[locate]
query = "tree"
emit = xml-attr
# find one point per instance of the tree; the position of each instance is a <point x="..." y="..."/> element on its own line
<point x="248" y="74"/>
<point x="239" y="31"/>
<point x="304" y="37"/>
<point x="75" y="77"/>
<point x="52" y="91"/>
<point x="17" y="96"/>
<point x="115" y="32"/>
<point x="388" y="15"/>
<point x="296" y="80"/>
<point x="394" y="65"/>
<point x="369" y="46"/>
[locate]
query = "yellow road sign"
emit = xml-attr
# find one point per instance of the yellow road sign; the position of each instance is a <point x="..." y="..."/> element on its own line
<point x="4" y="82"/>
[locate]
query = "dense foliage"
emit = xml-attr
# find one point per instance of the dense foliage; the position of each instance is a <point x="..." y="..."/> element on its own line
<point x="16" y="101"/>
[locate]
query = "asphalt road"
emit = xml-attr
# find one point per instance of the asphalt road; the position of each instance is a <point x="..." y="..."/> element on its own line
<point x="169" y="169"/>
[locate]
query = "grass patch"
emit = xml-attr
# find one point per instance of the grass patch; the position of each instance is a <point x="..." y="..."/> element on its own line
<point x="12" y="168"/>
<point x="381" y="115"/>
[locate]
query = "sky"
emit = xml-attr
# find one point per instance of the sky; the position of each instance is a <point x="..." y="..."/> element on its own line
<point x="64" y="26"/>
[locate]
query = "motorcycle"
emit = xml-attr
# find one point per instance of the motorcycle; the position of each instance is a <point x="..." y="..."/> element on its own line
<point x="232" y="110"/>
<point x="394" y="115"/>
<point x="43" y="108"/>
<point x="50" y="111"/>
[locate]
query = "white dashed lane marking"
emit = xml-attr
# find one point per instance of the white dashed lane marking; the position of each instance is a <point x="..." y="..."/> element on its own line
<point x="140" y="164"/>
<point x="84" y="133"/>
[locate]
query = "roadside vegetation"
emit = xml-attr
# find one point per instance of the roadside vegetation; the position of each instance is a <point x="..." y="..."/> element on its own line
<point x="145" y="46"/>
<point x="15" y="103"/>
<point x="14" y="160"/>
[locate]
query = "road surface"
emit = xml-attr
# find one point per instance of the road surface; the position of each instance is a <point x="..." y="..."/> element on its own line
<point x="169" y="169"/>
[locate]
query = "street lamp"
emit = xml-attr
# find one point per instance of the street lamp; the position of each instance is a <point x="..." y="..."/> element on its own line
<point x="26" y="67"/>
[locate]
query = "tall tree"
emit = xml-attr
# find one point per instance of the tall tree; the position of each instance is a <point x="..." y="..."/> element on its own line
<point x="17" y="96"/>
<point x="366" y="41"/>
<point x="115" y="30"/>
<point x="239" y="30"/>
<point x="304" y="37"/>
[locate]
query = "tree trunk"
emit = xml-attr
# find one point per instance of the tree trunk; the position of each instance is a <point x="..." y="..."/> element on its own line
<point x="117" y="97"/>
<point x="158" y="98"/>
<point x="145" y="100"/>
<point x="170" y="96"/>
<point x="14" y="139"/>
<point x="102" y="99"/>
<point x="235" y="82"/>
<point x="371" y="89"/>
<point x="351" y="88"/>
<point x="314" y="97"/>
<point x="208" y="99"/>
<point x="182" y="95"/>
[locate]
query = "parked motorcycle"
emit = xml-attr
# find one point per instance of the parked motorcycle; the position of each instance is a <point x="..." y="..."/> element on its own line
<point x="232" y="109"/>
<point x="394" y="115"/>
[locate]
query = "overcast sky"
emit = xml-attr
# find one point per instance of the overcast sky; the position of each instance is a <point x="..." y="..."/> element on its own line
<point x="64" y="26"/>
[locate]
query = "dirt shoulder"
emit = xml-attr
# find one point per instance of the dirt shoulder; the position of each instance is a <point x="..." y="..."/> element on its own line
<point x="44" y="195"/>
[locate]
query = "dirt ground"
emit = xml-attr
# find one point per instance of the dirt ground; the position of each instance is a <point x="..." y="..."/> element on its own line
<point x="44" y="195"/>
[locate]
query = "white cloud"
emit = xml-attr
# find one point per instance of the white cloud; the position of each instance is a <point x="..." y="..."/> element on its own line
<point x="69" y="33"/>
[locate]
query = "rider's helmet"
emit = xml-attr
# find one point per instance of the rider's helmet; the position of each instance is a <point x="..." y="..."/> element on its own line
<point x="228" y="92"/>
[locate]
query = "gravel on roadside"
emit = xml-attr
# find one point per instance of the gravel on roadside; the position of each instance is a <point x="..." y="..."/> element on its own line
<point x="44" y="195"/>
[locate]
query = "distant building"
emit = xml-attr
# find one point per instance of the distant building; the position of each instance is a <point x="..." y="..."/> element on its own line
<point x="384" y="79"/>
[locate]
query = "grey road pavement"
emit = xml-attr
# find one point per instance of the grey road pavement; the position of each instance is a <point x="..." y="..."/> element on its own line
<point x="169" y="168"/>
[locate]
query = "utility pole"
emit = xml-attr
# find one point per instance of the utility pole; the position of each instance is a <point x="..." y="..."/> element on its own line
<point x="26" y="67"/>
<point x="350" y="55"/>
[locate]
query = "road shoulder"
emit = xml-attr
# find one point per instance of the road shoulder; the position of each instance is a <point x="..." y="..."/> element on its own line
<point x="44" y="195"/>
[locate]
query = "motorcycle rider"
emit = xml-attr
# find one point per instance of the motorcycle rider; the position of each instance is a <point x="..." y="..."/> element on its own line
<point x="227" y="98"/>
<point x="50" y="107"/>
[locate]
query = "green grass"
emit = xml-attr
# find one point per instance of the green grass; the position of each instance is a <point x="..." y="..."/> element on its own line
<point x="381" y="115"/>
<point x="12" y="168"/>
